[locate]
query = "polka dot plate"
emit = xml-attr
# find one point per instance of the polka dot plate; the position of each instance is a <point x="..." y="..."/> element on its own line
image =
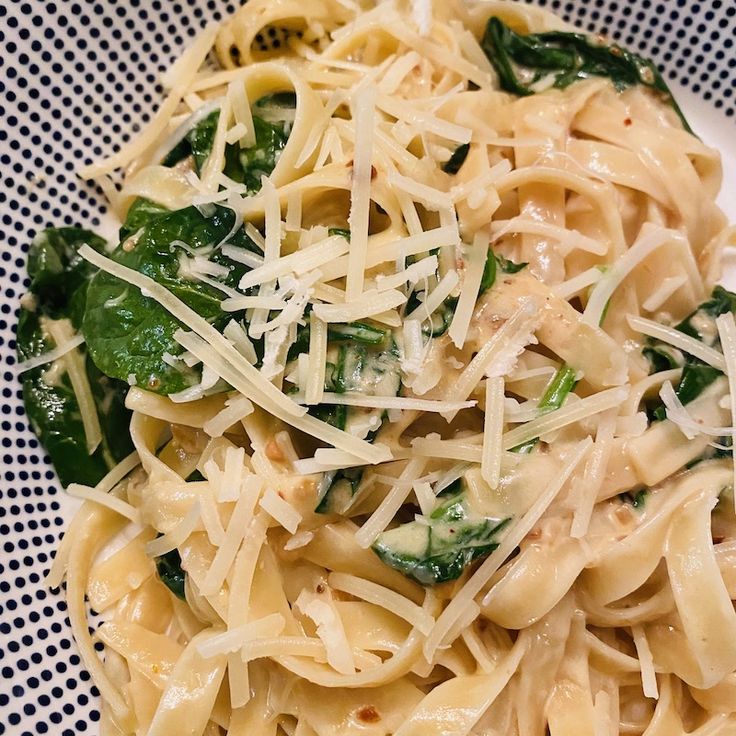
<point x="76" y="79"/>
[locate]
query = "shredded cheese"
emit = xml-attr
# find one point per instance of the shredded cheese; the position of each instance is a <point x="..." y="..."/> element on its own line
<point x="177" y="535"/>
<point x="394" y="402"/>
<point x="490" y="466"/>
<point x="369" y="304"/>
<point x="61" y="332"/>
<point x="234" y="535"/>
<point x="360" y="193"/>
<point x="330" y="629"/>
<point x="646" y="662"/>
<point x="105" y="499"/>
<point x="572" y="412"/>
<point x="234" y="639"/>
<point x="49" y="357"/>
<point x="727" y="333"/>
<point x="435" y="298"/>
<point x="315" y="384"/>
<point x="678" y="339"/>
<point x="393" y="501"/>
<point x="240" y="105"/>
<point x="472" y="276"/>
<point x="651" y="239"/>
<point x="383" y="597"/>
<point x="280" y="510"/>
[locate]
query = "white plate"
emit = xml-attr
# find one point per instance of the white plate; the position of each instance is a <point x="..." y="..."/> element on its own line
<point x="76" y="79"/>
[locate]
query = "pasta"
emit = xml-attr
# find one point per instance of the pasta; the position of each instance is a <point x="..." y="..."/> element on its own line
<point x="403" y="402"/>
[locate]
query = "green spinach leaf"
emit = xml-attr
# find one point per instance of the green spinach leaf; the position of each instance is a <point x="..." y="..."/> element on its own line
<point x="369" y="369"/>
<point x="140" y="213"/>
<point x="558" y="389"/>
<point x="493" y="263"/>
<point x="442" y="545"/>
<point x="58" y="290"/>
<point x="636" y="498"/>
<point x="242" y="165"/>
<point x="170" y="572"/>
<point x="696" y="375"/>
<point x="455" y="162"/>
<point x="523" y="61"/>
<point x="128" y="333"/>
<point x="339" y="231"/>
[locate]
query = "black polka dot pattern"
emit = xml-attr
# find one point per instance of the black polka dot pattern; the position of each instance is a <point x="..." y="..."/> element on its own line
<point x="77" y="79"/>
<point x="693" y="42"/>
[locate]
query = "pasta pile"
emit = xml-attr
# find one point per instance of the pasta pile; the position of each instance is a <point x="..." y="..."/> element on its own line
<point x="432" y="388"/>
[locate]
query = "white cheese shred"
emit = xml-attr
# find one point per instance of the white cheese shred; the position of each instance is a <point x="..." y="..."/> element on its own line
<point x="490" y="466"/>
<point x="50" y="356"/>
<point x="677" y="339"/>
<point x="214" y="350"/>
<point x="105" y="499"/>
<point x="472" y="277"/>
<point x="727" y="333"/>
<point x="315" y="386"/>
<point x="281" y="511"/>
<point x="646" y="662"/>
<point x="360" y="193"/>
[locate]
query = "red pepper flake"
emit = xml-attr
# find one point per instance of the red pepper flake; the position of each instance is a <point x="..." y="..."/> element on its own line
<point x="368" y="714"/>
<point x="628" y="122"/>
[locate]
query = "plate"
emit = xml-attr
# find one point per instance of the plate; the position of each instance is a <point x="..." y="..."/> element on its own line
<point x="76" y="78"/>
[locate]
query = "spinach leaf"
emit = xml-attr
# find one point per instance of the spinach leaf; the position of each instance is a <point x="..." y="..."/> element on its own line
<point x="59" y="279"/>
<point x="439" y="321"/>
<point x="696" y="375"/>
<point x="440" y="546"/>
<point x="453" y="164"/>
<point x="508" y="266"/>
<point x="357" y="331"/>
<point x="493" y="263"/>
<point x="58" y="274"/>
<point x="168" y="567"/>
<point x="701" y="323"/>
<point x="140" y="213"/>
<point x="489" y="273"/>
<point x="248" y="165"/>
<point x="558" y="389"/>
<point x="369" y="369"/>
<point x="337" y="332"/>
<point x="339" y="231"/>
<point x="128" y="333"/>
<point x="523" y="61"/>
<point x="339" y="488"/>
<point x="285" y="100"/>
<point x="637" y="498"/>
<point x="242" y="165"/>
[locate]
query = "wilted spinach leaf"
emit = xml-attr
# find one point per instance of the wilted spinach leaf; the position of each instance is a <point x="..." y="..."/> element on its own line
<point x="493" y="263"/>
<point x="242" y="165"/>
<point x="558" y="389"/>
<point x="128" y="333"/>
<point x="59" y="279"/>
<point x="453" y="164"/>
<point x="169" y="569"/>
<point x="440" y="546"/>
<point x="696" y="375"/>
<point x="522" y="61"/>
<point x="140" y="213"/>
